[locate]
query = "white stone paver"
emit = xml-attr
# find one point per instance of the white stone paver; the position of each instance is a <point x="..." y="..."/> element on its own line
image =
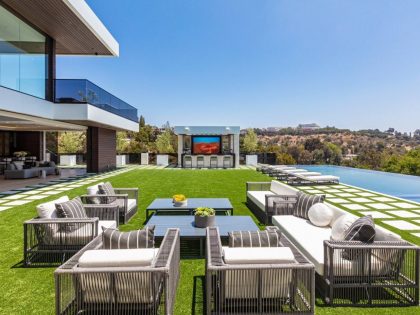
<point x="404" y="205"/>
<point x="352" y="190"/>
<point x="13" y="197"/>
<point x="353" y="206"/>
<point x="54" y="192"/>
<point x="416" y="234"/>
<point x="380" y="206"/>
<point x="17" y="202"/>
<point x="383" y="199"/>
<point x="402" y="225"/>
<point x="366" y="194"/>
<point x="404" y="214"/>
<point x="345" y="195"/>
<point x="4" y="208"/>
<point x="338" y="200"/>
<point x="333" y="191"/>
<point x="314" y="191"/>
<point x="37" y="197"/>
<point x="376" y="214"/>
<point x="360" y="199"/>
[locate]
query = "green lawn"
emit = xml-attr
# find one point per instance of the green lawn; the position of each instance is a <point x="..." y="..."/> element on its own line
<point x="31" y="290"/>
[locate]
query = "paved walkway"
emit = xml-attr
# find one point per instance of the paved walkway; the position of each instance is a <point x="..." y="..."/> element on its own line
<point x="27" y="195"/>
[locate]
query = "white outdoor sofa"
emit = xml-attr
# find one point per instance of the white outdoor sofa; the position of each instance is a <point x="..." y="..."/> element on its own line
<point x="384" y="273"/>
<point x="260" y="198"/>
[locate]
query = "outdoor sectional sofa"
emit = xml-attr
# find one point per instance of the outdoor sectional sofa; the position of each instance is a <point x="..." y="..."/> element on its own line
<point x="239" y="281"/>
<point x="140" y="284"/>
<point x="19" y="172"/>
<point x="51" y="240"/>
<point x="382" y="273"/>
<point x="125" y="198"/>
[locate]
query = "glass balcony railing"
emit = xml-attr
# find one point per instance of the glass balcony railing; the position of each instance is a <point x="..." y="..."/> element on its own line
<point x="78" y="91"/>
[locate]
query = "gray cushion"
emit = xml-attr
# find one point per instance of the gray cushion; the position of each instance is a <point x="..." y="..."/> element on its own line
<point x="107" y="189"/>
<point x="72" y="209"/>
<point x="304" y="203"/>
<point x="267" y="238"/>
<point x="114" y="239"/>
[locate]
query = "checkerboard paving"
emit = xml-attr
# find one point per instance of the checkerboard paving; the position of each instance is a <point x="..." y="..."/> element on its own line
<point x="23" y="196"/>
<point x="398" y="213"/>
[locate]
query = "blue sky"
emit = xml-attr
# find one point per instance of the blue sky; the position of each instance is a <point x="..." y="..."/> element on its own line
<point x="255" y="63"/>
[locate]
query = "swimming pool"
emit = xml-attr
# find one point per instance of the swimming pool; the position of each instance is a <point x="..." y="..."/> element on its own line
<point x="403" y="186"/>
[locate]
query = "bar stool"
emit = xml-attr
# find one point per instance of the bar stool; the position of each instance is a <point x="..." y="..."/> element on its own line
<point x="227" y="161"/>
<point x="188" y="161"/>
<point x="213" y="161"/>
<point x="200" y="161"/>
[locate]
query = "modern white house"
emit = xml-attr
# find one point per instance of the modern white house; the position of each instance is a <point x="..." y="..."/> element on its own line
<point x="33" y="101"/>
<point x="208" y="146"/>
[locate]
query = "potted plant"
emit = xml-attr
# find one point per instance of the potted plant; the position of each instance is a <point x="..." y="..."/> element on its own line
<point x="204" y="217"/>
<point x="179" y="200"/>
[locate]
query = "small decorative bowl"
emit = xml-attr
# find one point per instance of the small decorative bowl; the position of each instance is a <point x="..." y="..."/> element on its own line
<point x="180" y="203"/>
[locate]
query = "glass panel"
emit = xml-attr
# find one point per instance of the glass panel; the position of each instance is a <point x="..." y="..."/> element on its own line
<point x="23" y="63"/>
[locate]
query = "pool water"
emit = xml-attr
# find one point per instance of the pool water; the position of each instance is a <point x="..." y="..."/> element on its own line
<point x="398" y="185"/>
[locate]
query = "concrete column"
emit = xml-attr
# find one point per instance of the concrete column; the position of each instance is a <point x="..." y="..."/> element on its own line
<point x="236" y="149"/>
<point x="101" y="149"/>
<point x="180" y="149"/>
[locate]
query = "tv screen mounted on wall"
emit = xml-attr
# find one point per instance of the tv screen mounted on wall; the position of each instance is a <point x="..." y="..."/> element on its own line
<point x="206" y="145"/>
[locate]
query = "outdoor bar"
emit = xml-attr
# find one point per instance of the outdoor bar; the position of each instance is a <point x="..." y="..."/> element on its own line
<point x="208" y="146"/>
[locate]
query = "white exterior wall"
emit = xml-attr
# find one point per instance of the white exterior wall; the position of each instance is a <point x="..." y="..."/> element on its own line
<point x="180" y="149"/>
<point x="236" y="149"/>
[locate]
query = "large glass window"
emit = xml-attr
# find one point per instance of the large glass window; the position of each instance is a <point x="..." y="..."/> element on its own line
<point x="23" y="62"/>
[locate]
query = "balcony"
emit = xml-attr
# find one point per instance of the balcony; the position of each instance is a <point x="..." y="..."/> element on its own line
<point x="79" y="91"/>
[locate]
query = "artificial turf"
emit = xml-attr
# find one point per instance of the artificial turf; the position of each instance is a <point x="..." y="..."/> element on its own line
<point x="31" y="290"/>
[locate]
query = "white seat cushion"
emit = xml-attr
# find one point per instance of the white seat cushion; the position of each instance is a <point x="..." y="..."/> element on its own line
<point x="117" y="258"/>
<point x="258" y="197"/>
<point x="308" y="238"/>
<point x="47" y="210"/>
<point x="131" y="203"/>
<point x="104" y="224"/>
<point x="258" y="255"/>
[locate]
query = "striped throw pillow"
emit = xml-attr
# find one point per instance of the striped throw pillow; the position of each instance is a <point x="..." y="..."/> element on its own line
<point x="255" y="238"/>
<point x="363" y="229"/>
<point x="304" y="202"/>
<point x="114" y="239"/>
<point x="107" y="189"/>
<point x="72" y="209"/>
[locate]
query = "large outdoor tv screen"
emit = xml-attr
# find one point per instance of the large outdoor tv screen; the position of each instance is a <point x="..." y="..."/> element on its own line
<point x="206" y="145"/>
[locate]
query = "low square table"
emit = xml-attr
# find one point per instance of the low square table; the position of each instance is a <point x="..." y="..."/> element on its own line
<point x="166" y="205"/>
<point x="190" y="234"/>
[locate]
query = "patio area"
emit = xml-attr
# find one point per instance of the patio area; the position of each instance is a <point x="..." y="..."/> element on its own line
<point x="32" y="289"/>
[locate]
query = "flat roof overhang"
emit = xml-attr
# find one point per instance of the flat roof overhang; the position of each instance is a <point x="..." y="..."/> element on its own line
<point x="71" y="23"/>
<point x="79" y="116"/>
<point x="207" y="130"/>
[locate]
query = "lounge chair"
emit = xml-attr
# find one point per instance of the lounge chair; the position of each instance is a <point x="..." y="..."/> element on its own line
<point x="125" y="198"/>
<point x="281" y="282"/>
<point x="49" y="240"/>
<point x="120" y="281"/>
<point x="302" y="179"/>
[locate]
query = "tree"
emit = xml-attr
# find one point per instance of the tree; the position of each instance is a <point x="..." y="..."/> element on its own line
<point x="142" y="122"/>
<point x="285" y="159"/>
<point x="250" y="141"/>
<point x="71" y="142"/>
<point x="312" y="144"/>
<point x="305" y="157"/>
<point x="164" y="142"/>
<point x="122" y="143"/>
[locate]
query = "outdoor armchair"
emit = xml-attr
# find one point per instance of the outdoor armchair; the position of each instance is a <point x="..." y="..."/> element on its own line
<point x="53" y="240"/>
<point x="127" y="289"/>
<point x="257" y="288"/>
<point x="125" y="198"/>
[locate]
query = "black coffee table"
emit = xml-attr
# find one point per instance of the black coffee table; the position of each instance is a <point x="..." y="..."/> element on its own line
<point x="190" y="234"/>
<point x="166" y="205"/>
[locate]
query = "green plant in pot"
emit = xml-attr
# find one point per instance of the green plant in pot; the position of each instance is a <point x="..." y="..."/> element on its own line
<point x="204" y="217"/>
